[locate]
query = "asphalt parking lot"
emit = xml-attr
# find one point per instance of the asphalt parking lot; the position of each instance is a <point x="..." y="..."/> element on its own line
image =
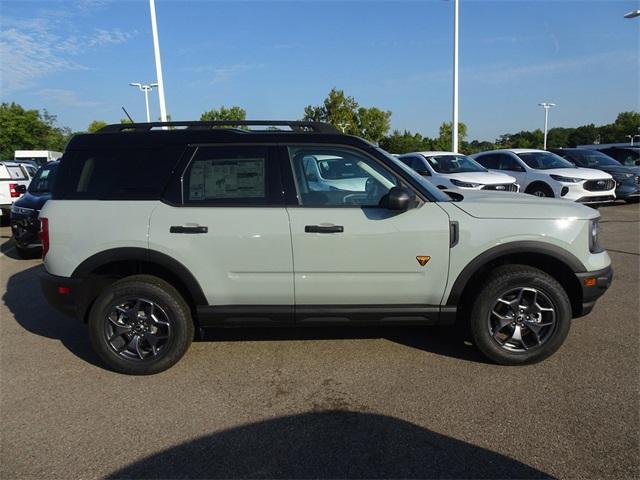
<point x="396" y="402"/>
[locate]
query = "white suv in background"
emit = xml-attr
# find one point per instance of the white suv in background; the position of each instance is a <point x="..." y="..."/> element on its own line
<point x="453" y="170"/>
<point x="546" y="174"/>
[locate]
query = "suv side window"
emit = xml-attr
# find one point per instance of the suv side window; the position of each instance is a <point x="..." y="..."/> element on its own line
<point x="231" y="176"/>
<point x="506" y="162"/>
<point x="488" y="161"/>
<point x="116" y="173"/>
<point x="336" y="176"/>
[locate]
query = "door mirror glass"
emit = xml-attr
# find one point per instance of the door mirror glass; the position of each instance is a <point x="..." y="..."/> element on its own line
<point x="399" y="199"/>
<point x="424" y="172"/>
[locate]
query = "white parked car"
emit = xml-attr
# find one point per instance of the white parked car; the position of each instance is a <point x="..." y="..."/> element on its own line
<point x="453" y="170"/>
<point x="546" y="174"/>
<point x="14" y="180"/>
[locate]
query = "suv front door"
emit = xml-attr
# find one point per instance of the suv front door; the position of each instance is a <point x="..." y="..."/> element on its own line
<point x="349" y="251"/>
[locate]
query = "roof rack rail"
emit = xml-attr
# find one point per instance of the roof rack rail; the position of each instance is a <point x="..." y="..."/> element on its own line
<point x="295" y="126"/>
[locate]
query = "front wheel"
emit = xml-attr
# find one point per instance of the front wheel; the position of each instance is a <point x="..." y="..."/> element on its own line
<point x="140" y="325"/>
<point x="521" y="316"/>
<point x="540" y="190"/>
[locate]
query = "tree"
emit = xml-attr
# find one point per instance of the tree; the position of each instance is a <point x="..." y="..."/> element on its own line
<point x="96" y="125"/>
<point x="344" y="112"/>
<point x="22" y="129"/>
<point x="443" y="142"/>
<point x="405" y="142"/>
<point x="223" y="114"/>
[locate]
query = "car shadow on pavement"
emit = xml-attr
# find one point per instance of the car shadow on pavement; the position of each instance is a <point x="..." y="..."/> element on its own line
<point x="328" y="444"/>
<point x="29" y="308"/>
<point x="449" y="341"/>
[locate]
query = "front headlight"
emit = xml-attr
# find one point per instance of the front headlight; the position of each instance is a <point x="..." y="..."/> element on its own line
<point x="458" y="183"/>
<point x="621" y="177"/>
<point x="20" y="210"/>
<point x="560" y="178"/>
<point x="594" y="234"/>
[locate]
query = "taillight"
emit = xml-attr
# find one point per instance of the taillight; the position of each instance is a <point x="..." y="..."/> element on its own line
<point x="12" y="190"/>
<point x="44" y="235"/>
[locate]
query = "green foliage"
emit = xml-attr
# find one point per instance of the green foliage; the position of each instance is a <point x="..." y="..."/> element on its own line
<point x="22" y="129"/>
<point x="348" y="116"/>
<point x="223" y="114"/>
<point x="443" y="142"/>
<point x="405" y="142"/>
<point x="96" y="125"/>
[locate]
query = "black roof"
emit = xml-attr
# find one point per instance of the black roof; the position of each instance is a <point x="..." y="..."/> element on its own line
<point x="154" y="135"/>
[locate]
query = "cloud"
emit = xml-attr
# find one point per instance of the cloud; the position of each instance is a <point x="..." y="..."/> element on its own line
<point x="223" y="73"/>
<point x="35" y="48"/>
<point x="66" y="98"/>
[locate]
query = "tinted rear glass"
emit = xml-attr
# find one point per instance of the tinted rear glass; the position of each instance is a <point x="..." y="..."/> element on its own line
<point x="115" y="174"/>
<point x="43" y="180"/>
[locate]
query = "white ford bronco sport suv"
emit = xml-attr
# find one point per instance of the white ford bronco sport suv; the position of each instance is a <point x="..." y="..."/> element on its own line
<point x="153" y="234"/>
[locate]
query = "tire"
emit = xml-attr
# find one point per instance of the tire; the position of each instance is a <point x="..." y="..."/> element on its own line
<point x="632" y="200"/>
<point x="540" y="190"/>
<point x="25" y="253"/>
<point x="494" y="324"/>
<point x="145" y="307"/>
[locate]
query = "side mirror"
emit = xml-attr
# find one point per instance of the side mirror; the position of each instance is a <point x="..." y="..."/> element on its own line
<point x="399" y="199"/>
<point x="21" y="189"/>
<point x="424" y="172"/>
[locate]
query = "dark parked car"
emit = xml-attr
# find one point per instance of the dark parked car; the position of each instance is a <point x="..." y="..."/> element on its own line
<point x="627" y="177"/>
<point x="24" y="212"/>
<point x="628" y="156"/>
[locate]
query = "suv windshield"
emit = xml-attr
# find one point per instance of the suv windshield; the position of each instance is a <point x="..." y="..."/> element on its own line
<point x="436" y="193"/>
<point x="41" y="183"/>
<point x="454" y="164"/>
<point x="597" y="159"/>
<point x="544" y="160"/>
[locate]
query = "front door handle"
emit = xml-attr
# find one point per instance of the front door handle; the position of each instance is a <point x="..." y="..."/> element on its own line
<point x="188" y="229"/>
<point x="324" y="229"/>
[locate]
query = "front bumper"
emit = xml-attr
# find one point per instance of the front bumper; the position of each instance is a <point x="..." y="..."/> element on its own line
<point x="25" y="230"/>
<point x="593" y="286"/>
<point x="626" y="191"/>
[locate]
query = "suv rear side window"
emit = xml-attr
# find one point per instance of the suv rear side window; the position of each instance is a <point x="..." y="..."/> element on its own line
<point x="115" y="174"/>
<point x="12" y="173"/>
<point x="231" y="176"/>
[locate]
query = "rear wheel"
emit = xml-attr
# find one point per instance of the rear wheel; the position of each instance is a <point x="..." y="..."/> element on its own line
<point x="521" y="316"/>
<point x="140" y="325"/>
<point x="540" y="190"/>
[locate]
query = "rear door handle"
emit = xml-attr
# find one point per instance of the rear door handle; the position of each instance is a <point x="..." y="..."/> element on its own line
<point x="188" y="229"/>
<point x="324" y="229"/>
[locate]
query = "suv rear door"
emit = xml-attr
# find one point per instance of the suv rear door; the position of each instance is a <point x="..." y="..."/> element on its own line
<point x="348" y="251"/>
<point x="224" y="219"/>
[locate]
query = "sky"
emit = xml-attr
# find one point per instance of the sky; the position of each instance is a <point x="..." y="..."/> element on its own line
<point x="76" y="58"/>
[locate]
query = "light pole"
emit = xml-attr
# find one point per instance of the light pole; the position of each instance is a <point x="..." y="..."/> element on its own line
<point x="632" y="14"/>
<point x="454" y="122"/>
<point x="146" y="89"/>
<point x="156" y="51"/>
<point x="546" y="106"/>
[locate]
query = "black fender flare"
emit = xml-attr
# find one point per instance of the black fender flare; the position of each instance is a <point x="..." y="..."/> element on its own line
<point x="518" y="247"/>
<point x="145" y="255"/>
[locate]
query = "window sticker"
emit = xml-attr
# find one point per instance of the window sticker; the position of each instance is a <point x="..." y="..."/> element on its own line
<point x="227" y="178"/>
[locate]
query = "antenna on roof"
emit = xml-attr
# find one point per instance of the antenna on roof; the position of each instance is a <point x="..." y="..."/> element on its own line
<point x="127" y="114"/>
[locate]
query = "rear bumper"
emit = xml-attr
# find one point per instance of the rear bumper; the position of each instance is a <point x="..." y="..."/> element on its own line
<point x="594" y="289"/>
<point x="67" y="295"/>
